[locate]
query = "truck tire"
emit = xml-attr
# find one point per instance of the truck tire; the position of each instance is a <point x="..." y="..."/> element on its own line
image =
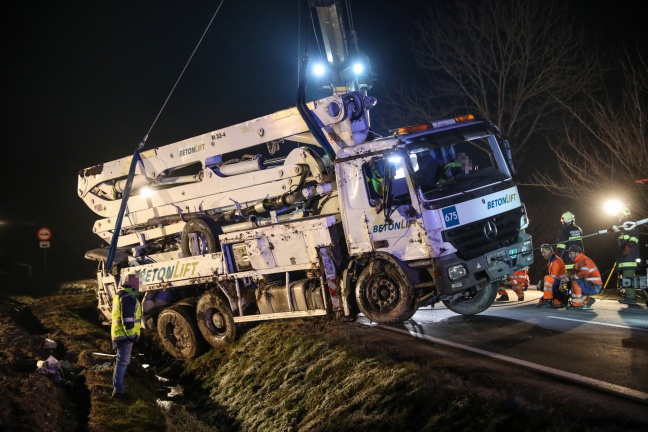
<point x="384" y="294"/>
<point x="177" y="330"/>
<point x="478" y="302"/>
<point x="200" y="237"/>
<point x="215" y="320"/>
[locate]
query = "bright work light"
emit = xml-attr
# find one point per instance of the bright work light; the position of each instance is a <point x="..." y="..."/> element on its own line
<point x="358" y="68"/>
<point x="613" y="207"/>
<point x="146" y="192"/>
<point x="319" y="69"/>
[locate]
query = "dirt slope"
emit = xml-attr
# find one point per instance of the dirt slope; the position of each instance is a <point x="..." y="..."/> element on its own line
<point x="290" y="375"/>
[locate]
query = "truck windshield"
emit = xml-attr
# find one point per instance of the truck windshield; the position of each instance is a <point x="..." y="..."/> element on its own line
<point x="446" y="162"/>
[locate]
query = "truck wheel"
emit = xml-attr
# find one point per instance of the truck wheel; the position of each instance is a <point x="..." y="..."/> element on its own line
<point x="215" y="320"/>
<point x="178" y="332"/>
<point x="475" y="303"/>
<point x="384" y="294"/>
<point x="200" y="237"/>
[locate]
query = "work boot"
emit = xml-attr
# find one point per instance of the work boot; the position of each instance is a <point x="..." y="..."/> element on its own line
<point x="628" y="300"/>
<point x="575" y="307"/>
<point x="544" y="303"/>
<point x="117" y="395"/>
<point x="556" y="304"/>
<point x="521" y="298"/>
<point x="503" y="297"/>
<point x="590" y="302"/>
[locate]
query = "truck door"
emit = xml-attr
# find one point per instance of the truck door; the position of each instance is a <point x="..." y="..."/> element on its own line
<point x="370" y="229"/>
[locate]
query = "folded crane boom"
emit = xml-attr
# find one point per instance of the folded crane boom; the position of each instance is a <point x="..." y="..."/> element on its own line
<point x="213" y="183"/>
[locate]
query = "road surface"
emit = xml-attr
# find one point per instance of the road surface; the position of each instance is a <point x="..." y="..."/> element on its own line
<point x="606" y="347"/>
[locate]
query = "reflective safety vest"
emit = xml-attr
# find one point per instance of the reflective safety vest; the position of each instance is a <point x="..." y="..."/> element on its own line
<point x="519" y="278"/>
<point x="450" y="171"/>
<point x="126" y="315"/>
<point x="557" y="268"/>
<point x="628" y="241"/>
<point x="569" y="235"/>
<point x="584" y="268"/>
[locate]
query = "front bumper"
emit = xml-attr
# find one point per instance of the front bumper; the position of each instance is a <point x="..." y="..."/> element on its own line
<point x="489" y="267"/>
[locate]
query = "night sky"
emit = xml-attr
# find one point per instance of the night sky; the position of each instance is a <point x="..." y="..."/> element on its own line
<point x="84" y="80"/>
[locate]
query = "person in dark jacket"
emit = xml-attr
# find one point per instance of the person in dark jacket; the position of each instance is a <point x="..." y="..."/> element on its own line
<point x="124" y="330"/>
<point x="570" y="235"/>
<point x="628" y="252"/>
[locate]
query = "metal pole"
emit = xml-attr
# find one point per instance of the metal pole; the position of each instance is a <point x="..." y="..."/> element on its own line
<point x="609" y="276"/>
<point x="45" y="262"/>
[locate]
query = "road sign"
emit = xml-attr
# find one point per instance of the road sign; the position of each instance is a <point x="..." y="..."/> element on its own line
<point x="44" y="244"/>
<point x="44" y="234"/>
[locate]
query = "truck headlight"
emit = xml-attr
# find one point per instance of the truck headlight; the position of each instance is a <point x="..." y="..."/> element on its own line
<point x="457" y="272"/>
<point x="526" y="246"/>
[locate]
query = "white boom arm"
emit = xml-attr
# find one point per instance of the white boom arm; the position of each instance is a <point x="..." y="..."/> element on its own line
<point x="216" y="186"/>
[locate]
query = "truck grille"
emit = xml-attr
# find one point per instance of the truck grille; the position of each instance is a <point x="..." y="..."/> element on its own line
<point x="471" y="240"/>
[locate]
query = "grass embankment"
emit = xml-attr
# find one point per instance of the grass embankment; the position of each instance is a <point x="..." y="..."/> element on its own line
<point x="295" y="376"/>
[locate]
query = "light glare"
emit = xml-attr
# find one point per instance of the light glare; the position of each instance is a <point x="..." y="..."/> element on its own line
<point x="319" y="69"/>
<point x="147" y="192"/>
<point x="613" y="207"/>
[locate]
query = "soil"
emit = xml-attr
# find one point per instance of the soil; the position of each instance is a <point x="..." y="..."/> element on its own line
<point x="32" y="401"/>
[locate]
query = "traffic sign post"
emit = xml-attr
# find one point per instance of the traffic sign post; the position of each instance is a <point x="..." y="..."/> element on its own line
<point x="44" y="234"/>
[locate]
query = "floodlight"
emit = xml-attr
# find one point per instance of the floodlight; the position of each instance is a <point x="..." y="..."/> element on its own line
<point x="319" y="69"/>
<point x="613" y="207"/>
<point x="146" y="192"/>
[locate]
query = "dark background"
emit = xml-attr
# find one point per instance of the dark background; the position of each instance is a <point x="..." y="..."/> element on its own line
<point x="84" y="82"/>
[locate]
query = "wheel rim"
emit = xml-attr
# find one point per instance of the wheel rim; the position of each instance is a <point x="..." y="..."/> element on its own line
<point x="169" y="333"/>
<point x="215" y="322"/>
<point x="382" y="293"/>
<point x="197" y="244"/>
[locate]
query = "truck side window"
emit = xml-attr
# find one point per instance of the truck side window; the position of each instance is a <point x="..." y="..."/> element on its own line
<point x="374" y="179"/>
<point x="373" y="173"/>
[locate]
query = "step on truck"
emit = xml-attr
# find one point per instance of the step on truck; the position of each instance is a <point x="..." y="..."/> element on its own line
<point x="307" y="212"/>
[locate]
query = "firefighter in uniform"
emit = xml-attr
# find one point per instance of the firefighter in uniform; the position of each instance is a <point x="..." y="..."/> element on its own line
<point x="570" y="235"/>
<point x="585" y="280"/>
<point x="551" y="284"/>
<point x="124" y="330"/>
<point x="517" y="282"/>
<point x="628" y="252"/>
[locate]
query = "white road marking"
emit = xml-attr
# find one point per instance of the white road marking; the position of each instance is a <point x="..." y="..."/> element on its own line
<point x="606" y="386"/>
<point x="598" y="323"/>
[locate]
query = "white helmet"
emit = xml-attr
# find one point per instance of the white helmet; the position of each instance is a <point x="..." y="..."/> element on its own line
<point x="567" y="217"/>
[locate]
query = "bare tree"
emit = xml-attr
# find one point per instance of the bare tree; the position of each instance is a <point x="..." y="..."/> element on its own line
<point x="499" y="59"/>
<point x="606" y="147"/>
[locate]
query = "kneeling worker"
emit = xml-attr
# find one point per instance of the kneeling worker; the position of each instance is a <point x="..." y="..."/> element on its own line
<point x="551" y="296"/>
<point x="586" y="280"/>
<point x="517" y="282"/>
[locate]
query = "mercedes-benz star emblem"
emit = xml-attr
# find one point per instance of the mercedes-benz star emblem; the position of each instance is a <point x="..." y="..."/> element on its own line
<point x="490" y="230"/>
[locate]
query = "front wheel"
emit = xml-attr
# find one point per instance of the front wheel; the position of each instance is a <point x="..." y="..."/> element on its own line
<point x="476" y="301"/>
<point x="384" y="294"/>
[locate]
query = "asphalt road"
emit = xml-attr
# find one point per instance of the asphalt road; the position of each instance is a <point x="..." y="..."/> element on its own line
<point x="607" y="347"/>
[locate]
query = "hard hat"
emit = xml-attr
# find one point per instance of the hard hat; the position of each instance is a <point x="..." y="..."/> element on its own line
<point x="567" y="217"/>
<point x="575" y="248"/>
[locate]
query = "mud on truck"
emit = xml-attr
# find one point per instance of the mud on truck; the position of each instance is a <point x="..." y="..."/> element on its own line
<point x="345" y="222"/>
